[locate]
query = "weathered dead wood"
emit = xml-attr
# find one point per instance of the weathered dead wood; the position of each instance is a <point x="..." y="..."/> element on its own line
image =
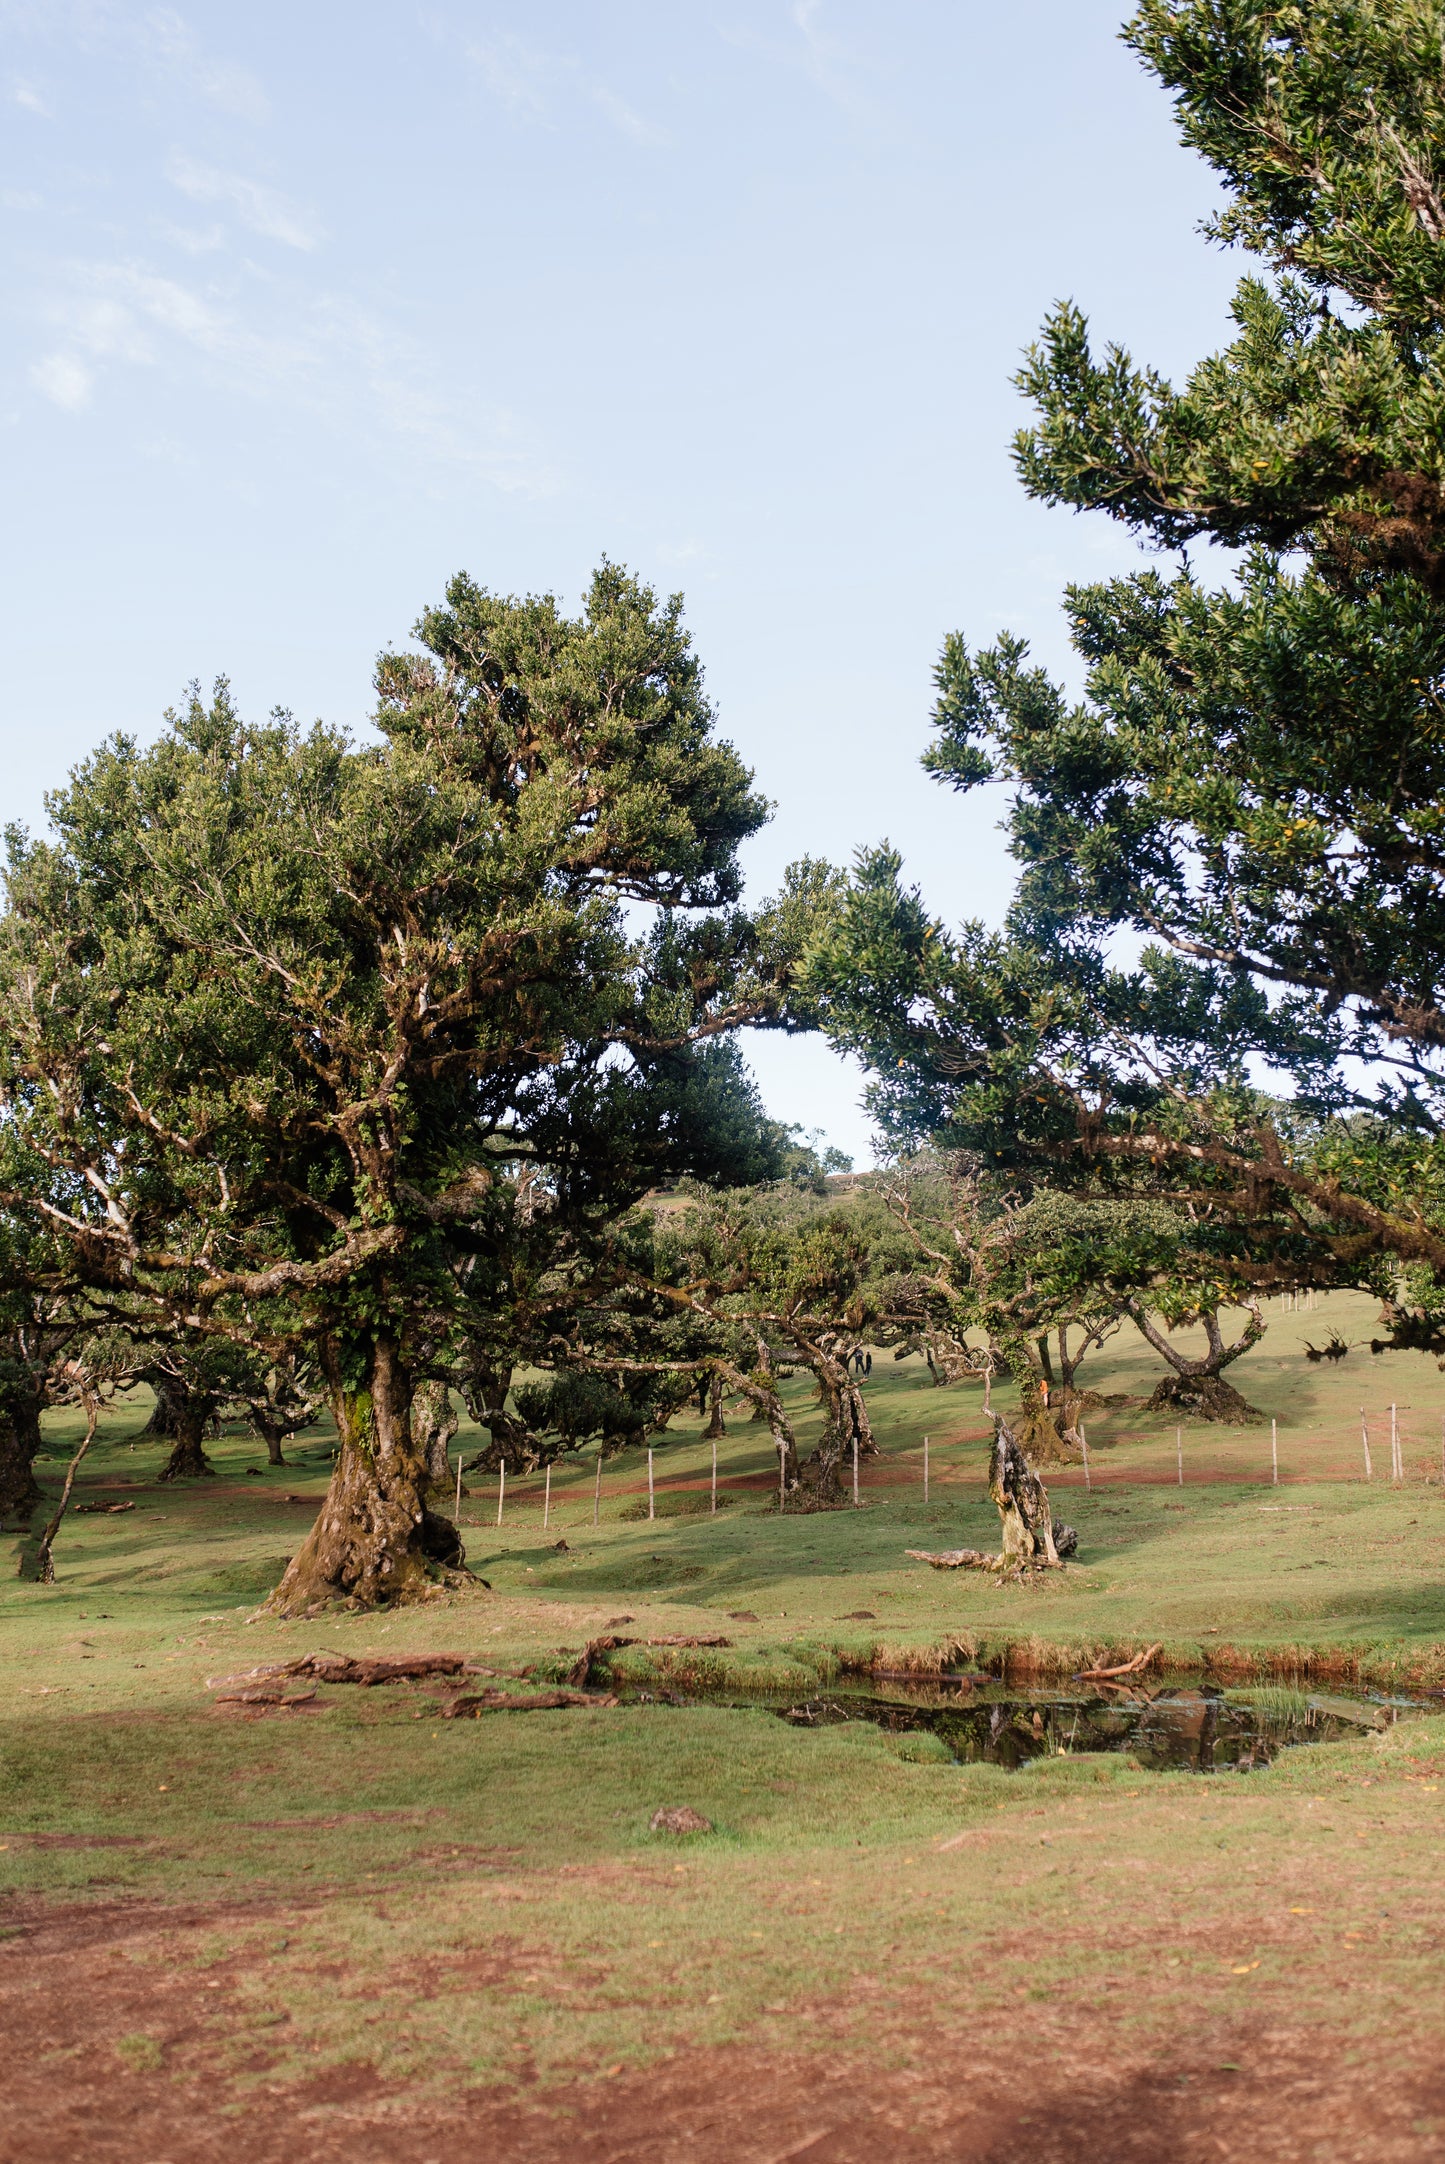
<point x="342" y="1668"/>
<point x="261" y="1695"/>
<point x="1022" y="1502"/>
<point x="957" y="1559"/>
<point x="1127" y="1668"/>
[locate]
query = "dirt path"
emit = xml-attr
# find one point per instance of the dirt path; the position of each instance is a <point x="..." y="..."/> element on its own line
<point x="80" y="1987"/>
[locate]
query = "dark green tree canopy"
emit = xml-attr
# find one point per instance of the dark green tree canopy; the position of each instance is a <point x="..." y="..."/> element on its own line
<point x="1251" y="779"/>
<point x="285" y="1011"/>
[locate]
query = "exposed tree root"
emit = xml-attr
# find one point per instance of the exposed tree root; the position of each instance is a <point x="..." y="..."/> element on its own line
<point x="1204" y="1397"/>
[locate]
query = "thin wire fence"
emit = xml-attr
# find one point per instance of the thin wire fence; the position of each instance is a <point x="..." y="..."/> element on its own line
<point x="1392" y="1445"/>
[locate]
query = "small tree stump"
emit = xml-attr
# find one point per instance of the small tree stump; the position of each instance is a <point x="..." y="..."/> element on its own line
<point x="1022" y="1502"/>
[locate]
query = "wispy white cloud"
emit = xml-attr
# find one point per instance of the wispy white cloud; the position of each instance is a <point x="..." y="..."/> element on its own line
<point x="513" y="70"/>
<point x="64" y="379"/>
<point x="263" y="210"/>
<point x="190" y="239"/>
<point x="807" y="46"/>
<point x="332" y="360"/>
<point x="531" y="80"/>
<point x="626" y="121"/>
<point x="168" y="41"/>
<point x="28" y="97"/>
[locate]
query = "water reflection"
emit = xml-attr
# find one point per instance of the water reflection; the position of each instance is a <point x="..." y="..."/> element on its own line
<point x="1194" y="1727"/>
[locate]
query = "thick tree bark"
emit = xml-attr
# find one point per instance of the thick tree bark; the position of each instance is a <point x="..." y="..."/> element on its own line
<point x="191" y="1412"/>
<point x="161" y="1427"/>
<point x="846" y="1423"/>
<point x="1022" y="1502"/>
<point x="374" y="1535"/>
<point x="433" y="1424"/>
<point x="763" y="1372"/>
<point x="716" y="1428"/>
<point x="19" y="1448"/>
<point x="1197" y="1387"/>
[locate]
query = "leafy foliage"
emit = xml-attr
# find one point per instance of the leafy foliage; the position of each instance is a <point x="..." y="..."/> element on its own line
<point x="1251" y="780"/>
<point x="293" y="1023"/>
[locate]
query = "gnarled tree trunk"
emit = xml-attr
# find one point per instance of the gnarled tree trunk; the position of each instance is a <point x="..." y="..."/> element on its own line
<point x="716" y="1428"/>
<point x="847" y="1422"/>
<point x="433" y="1424"/>
<point x="1197" y="1388"/>
<point x="19" y="1448"/>
<point x="1022" y="1502"/>
<point x="484" y="1386"/>
<point x="191" y="1412"/>
<point x="763" y="1373"/>
<point x="161" y="1427"/>
<point x="374" y="1536"/>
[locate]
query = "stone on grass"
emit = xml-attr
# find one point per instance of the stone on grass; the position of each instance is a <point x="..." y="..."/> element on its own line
<point x="680" y="1819"/>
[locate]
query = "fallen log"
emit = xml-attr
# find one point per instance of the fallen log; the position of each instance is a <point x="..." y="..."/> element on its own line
<point x="265" y="1697"/>
<point x="342" y="1668"/>
<point x="1126" y="1668"/>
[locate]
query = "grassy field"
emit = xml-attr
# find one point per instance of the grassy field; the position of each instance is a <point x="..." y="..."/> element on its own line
<point x="391" y="1923"/>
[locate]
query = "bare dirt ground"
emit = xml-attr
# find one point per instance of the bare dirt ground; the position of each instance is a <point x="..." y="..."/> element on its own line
<point x="1055" y="2084"/>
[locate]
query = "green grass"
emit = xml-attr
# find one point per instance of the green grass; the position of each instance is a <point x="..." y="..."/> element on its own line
<point x="487" y="1896"/>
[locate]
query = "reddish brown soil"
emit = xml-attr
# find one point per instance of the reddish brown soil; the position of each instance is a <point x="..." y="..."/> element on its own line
<point x="1054" y="2084"/>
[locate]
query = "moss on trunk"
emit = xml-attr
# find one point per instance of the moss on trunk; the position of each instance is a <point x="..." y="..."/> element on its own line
<point x="369" y="1543"/>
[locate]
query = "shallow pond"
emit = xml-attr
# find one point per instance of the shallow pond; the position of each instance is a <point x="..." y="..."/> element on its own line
<point x="1196" y="1727"/>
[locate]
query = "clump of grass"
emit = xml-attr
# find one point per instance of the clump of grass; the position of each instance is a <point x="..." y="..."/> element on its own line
<point x="141" y="2054"/>
<point x="923" y="1748"/>
<point x="1277" y="1701"/>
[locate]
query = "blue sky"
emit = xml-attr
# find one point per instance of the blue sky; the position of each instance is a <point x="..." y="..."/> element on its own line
<point x="312" y="304"/>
